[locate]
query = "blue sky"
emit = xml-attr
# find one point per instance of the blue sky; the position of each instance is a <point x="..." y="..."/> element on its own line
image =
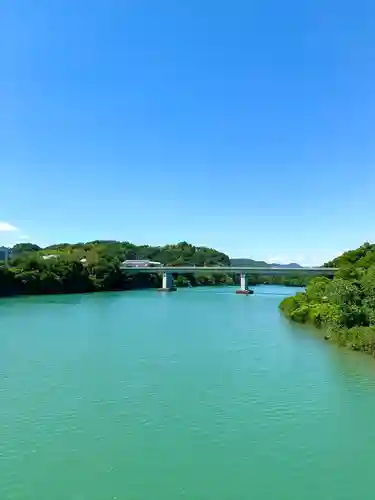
<point x="247" y="126"/>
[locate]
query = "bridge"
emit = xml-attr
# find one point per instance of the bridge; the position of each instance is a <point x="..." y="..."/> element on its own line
<point x="244" y="272"/>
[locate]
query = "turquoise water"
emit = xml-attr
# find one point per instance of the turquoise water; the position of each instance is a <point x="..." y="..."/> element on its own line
<point x="200" y="394"/>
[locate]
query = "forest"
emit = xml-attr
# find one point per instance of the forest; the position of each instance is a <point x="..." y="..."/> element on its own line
<point x="342" y="307"/>
<point x="95" y="266"/>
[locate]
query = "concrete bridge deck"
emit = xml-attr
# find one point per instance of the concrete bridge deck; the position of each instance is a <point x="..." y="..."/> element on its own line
<point x="244" y="272"/>
<point x="322" y="271"/>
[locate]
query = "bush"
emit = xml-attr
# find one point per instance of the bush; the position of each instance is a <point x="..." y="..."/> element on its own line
<point x="288" y="305"/>
<point x="344" y="306"/>
<point x="300" y="314"/>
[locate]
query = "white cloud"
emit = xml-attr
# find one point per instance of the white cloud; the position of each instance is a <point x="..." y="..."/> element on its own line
<point x="5" y="226"/>
<point x="23" y="237"/>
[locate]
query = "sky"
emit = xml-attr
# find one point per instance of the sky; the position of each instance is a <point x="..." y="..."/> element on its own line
<point x="246" y="126"/>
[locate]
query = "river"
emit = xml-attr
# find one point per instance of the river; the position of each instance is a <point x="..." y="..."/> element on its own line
<point x="200" y="394"/>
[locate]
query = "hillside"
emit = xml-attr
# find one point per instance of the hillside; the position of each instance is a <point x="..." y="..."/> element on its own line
<point x="344" y="307"/>
<point x="362" y="257"/>
<point x="95" y="266"/>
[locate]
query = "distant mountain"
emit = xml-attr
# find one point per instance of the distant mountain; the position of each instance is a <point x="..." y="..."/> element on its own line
<point x="260" y="263"/>
<point x="292" y="264"/>
<point x="248" y="262"/>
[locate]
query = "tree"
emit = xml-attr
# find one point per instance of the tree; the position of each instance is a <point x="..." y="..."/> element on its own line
<point x="344" y="305"/>
<point x="25" y="247"/>
<point x="95" y="266"/>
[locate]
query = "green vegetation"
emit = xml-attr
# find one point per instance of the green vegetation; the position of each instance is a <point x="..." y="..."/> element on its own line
<point x="95" y="266"/>
<point x="344" y="307"/>
<point x="299" y="279"/>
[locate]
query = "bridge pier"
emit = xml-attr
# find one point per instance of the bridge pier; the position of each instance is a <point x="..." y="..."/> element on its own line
<point x="167" y="284"/>
<point x="244" y="285"/>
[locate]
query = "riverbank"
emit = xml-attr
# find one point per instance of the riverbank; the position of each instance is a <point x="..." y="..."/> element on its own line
<point x="357" y="338"/>
<point x="37" y="277"/>
<point x="335" y="319"/>
<point x="343" y="308"/>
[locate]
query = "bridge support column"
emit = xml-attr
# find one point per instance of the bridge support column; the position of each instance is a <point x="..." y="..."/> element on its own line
<point x="244" y="285"/>
<point x="167" y="285"/>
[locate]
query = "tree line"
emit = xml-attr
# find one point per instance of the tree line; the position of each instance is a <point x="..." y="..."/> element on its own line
<point x="344" y="307"/>
<point x="95" y="266"/>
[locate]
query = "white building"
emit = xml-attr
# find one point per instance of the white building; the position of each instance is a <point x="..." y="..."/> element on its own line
<point x="52" y="256"/>
<point x="141" y="263"/>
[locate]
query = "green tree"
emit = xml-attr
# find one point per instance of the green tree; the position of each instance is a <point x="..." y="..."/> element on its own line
<point x="344" y="306"/>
